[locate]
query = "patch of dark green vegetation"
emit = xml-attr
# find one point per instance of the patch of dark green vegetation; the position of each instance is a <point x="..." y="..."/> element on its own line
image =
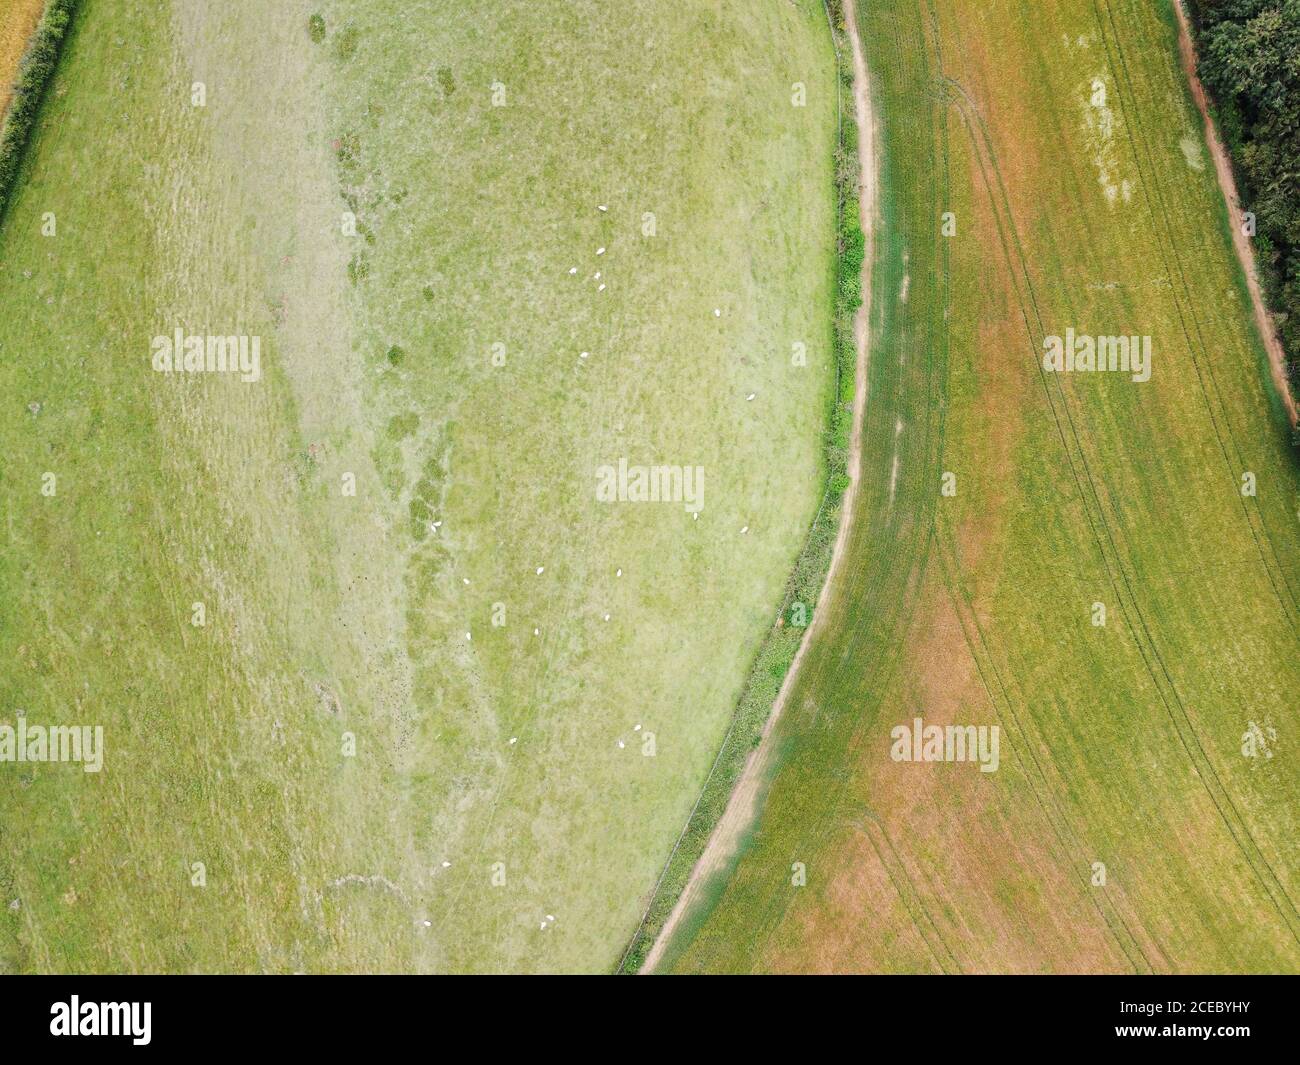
<point x="446" y="80"/>
<point x="1249" y="60"/>
<point x="400" y="426"/>
<point x="348" y="150"/>
<point x="358" y="268"/>
<point x="345" y="45"/>
<point x="777" y="654"/>
<point x="316" y="28"/>
<point x="34" y="74"/>
<point x="425" y="499"/>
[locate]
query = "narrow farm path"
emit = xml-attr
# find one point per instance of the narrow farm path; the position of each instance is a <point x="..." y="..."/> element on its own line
<point x="742" y="807"/>
<point x="1241" y="242"/>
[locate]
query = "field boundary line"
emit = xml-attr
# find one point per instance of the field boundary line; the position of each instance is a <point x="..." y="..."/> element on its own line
<point x="648" y="941"/>
<point x="1232" y="200"/>
<point x="886" y="664"/>
<point x="35" y="72"/>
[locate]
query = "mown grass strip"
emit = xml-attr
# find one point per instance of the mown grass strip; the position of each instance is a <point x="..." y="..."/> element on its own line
<point x="34" y="74"/>
<point x="777" y="653"/>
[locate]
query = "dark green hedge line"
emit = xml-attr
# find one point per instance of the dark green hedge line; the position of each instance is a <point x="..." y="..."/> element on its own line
<point x="34" y="74"/>
<point x="804" y="587"/>
<point x="1249" y="59"/>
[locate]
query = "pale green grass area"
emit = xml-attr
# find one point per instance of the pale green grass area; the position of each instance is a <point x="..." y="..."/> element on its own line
<point x="1121" y="744"/>
<point x="330" y="614"/>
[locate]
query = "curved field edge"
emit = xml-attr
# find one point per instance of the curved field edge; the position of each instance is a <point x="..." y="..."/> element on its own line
<point x="35" y="69"/>
<point x="776" y="656"/>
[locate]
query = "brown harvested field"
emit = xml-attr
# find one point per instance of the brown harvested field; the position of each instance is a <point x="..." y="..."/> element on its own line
<point x="17" y="20"/>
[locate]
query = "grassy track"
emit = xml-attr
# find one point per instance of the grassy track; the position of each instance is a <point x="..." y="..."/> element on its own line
<point x="1121" y="743"/>
<point x="330" y="614"/>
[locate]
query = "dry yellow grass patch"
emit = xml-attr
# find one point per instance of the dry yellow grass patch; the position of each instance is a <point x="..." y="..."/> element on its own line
<point x="18" y="18"/>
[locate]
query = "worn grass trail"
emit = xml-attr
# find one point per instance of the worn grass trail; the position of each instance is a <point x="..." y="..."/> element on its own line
<point x="737" y="819"/>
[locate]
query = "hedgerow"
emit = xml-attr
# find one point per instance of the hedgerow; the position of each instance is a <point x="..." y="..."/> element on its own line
<point x="777" y="654"/>
<point x="34" y="74"/>
<point x="1249" y="53"/>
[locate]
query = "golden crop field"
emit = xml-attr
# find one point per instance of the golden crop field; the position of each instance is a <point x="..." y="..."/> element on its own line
<point x="17" y="20"/>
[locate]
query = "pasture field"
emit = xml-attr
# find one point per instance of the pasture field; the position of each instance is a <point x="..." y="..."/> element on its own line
<point x="1125" y="829"/>
<point x="241" y="581"/>
<point x="17" y="20"/>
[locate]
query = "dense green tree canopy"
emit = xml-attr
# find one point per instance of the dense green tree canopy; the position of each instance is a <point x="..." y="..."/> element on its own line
<point x="1250" y="61"/>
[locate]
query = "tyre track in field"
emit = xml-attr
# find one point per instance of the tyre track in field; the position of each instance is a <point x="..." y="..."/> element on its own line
<point x="950" y="573"/>
<point x="905" y="887"/>
<point x="1163" y="216"/>
<point x="1228" y="185"/>
<point x="834" y="816"/>
<point x="1115" y="569"/>
<point x="742" y="806"/>
<point x="1061" y="824"/>
<point x="1186" y="308"/>
<point x="1005" y="221"/>
<point x="1117" y="574"/>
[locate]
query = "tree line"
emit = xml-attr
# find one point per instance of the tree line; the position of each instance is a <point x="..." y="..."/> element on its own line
<point x="1249" y="59"/>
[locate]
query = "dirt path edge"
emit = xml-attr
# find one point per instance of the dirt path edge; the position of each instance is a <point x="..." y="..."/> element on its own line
<point x="742" y="806"/>
<point x="1241" y="242"/>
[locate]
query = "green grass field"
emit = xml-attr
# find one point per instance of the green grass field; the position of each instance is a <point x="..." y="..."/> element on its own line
<point x="329" y="615"/>
<point x="1061" y="136"/>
